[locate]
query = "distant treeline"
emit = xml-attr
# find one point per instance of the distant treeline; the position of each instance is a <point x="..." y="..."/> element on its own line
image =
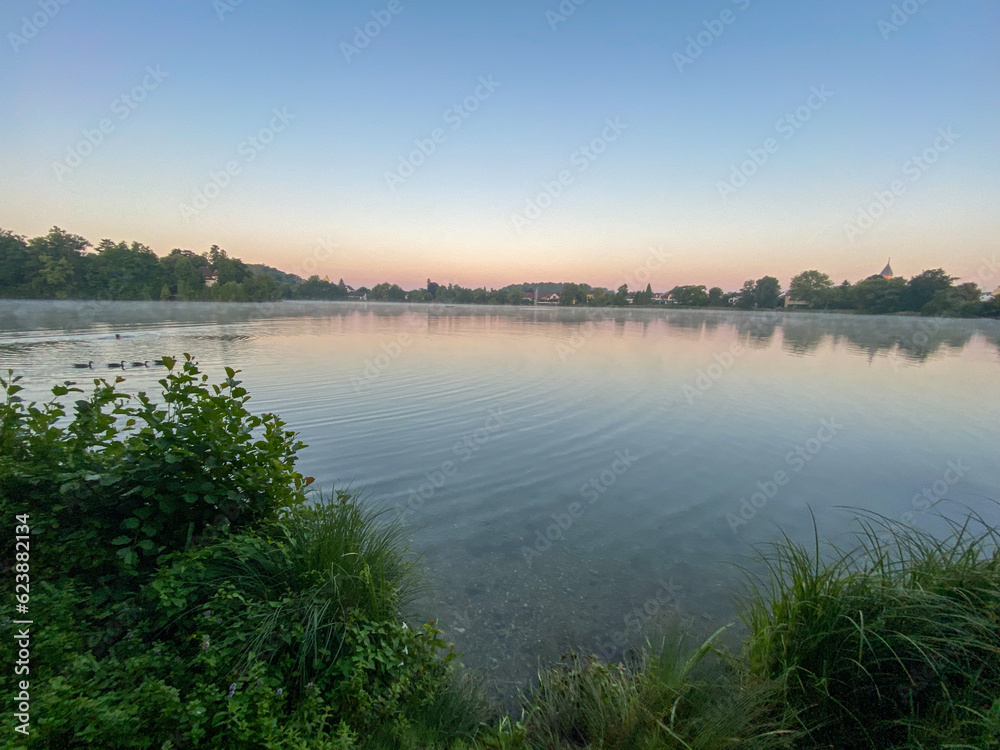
<point x="931" y="292"/>
<point x="61" y="265"/>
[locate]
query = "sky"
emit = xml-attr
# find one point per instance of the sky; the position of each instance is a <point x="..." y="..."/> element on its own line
<point x="488" y="143"/>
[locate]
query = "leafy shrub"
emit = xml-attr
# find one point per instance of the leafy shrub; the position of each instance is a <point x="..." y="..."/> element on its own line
<point x="125" y="479"/>
<point x="193" y="598"/>
<point x="318" y="595"/>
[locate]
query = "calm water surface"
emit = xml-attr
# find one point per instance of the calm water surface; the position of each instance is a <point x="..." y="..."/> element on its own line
<point x="570" y="475"/>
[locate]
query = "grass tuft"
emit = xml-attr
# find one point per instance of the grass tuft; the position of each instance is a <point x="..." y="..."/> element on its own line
<point x="894" y="641"/>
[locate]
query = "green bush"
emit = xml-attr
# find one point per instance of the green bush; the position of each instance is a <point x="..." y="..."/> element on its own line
<point x="194" y="596"/>
<point x="318" y="597"/>
<point x="125" y="479"/>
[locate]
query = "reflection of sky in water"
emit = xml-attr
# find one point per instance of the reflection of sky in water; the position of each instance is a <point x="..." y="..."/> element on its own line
<point x="709" y="403"/>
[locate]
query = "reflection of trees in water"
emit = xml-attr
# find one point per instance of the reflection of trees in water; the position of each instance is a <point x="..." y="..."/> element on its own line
<point x="712" y="322"/>
<point x="915" y="339"/>
<point x="912" y="338"/>
<point x="757" y="330"/>
<point x="992" y="334"/>
<point x="685" y="325"/>
<point x="801" y="338"/>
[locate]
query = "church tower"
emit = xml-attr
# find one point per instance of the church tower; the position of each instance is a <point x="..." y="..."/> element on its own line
<point x="887" y="271"/>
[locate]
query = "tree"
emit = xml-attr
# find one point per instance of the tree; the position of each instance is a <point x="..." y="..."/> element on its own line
<point x="228" y="269"/>
<point x="261" y="288"/>
<point x="961" y="301"/>
<point x="55" y="264"/>
<point x="432" y="288"/>
<point x="841" y="297"/>
<point x="567" y="296"/>
<point x="692" y="296"/>
<point x="13" y="263"/>
<point x="766" y="292"/>
<point x="121" y="271"/>
<point x="231" y="291"/>
<point x="716" y="297"/>
<point x="969" y="292"/>
<point x="621" y="296"/>
<point x="189" y="281"/>
<point x="644" y="298"/>
<point x="600" y="297"/>
<point x="879" y="295"/>
<point x="921" y="289"/>
<point x="386" y="292"/>
<point x="746" y="299"/>
<point x="810" y="287"/>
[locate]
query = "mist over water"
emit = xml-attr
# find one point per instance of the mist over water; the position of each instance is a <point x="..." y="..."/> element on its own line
<point x="567" y="474"/>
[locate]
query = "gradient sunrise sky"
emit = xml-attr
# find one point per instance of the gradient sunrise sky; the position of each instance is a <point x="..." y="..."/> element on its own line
<point x="318" y="111"/>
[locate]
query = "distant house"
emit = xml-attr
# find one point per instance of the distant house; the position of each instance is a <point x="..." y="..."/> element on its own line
<point x="211" y="276"/>
<point x="787" y="300"/>
<point x="549" y="299"/>
<point x="630" y="297"/>
<point x="663" y="298"/>
<point x="990" y="296"/>
<point x="353" y="293"/>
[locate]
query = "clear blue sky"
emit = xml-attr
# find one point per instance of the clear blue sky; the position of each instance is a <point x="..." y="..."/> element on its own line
<point x="462" y="215"/>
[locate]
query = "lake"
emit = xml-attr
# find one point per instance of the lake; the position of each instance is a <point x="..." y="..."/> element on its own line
<point x="575" y="476"/>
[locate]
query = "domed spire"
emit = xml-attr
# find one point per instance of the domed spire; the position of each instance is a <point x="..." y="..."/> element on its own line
<point x="887" y="271"/>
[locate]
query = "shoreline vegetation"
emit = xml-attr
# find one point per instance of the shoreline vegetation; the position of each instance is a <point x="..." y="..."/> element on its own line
<point x="66" y="266"/>
<point x="189" y="590"/>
